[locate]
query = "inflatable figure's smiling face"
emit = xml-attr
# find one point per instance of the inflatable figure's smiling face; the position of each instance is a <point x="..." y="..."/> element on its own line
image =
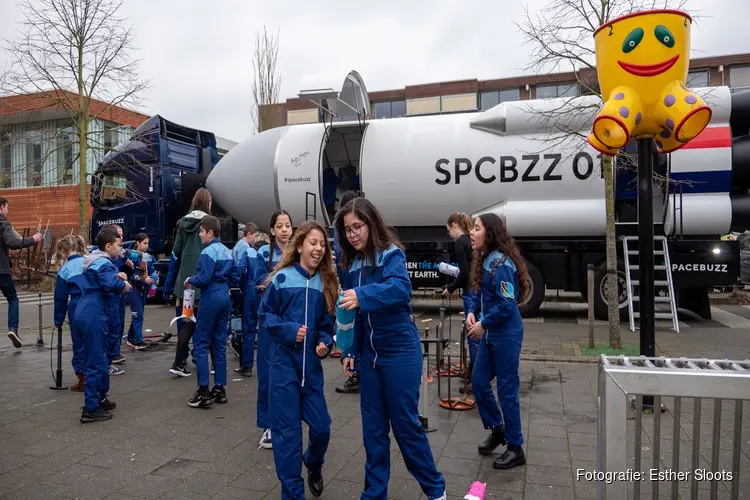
<point x="643" y="51"/>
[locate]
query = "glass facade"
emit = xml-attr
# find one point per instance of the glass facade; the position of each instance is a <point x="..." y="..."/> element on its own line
<point x="491" y="98"/>
<point x="557" y="90"/>
<point x="389" y="109"/>
<point x="696" y="79"/>
<point x="739" y="77"/>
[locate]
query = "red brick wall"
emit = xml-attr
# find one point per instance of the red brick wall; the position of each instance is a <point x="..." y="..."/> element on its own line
<point x="58" y="204"/>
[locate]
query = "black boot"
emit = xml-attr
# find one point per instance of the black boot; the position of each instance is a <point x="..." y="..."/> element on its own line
<point x="107" y="405"/>
<point x="315" y="483"/>
<point x="245" y="371"/>
<point x="97" y="415"/>
<point x="351" y="386"/>
<point x="219" y="395"/>
<point x="513" y="457"/>
<point x="495" y="439"/>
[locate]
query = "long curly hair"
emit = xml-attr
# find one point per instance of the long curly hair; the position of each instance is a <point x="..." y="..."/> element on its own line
<point x="326" y="268"/>
<point x="381" y="235"/>
<point x="497" y="237"/>
<point x="70" y="243"/>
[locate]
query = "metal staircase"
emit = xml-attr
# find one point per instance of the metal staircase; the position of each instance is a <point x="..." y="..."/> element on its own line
<point x="663" y="287"/>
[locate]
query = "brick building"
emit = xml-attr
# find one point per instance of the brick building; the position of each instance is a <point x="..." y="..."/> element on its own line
<point x="480" y="95"/>
<point x="39" y="167"/>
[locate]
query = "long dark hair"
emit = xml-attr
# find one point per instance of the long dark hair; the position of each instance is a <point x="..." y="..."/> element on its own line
<point x="201" y="201"/>
<point x="272" y="238"/>
<point x="497" y="237"/>
<point x="381" y="236"/>
<point x="326" y="268"/>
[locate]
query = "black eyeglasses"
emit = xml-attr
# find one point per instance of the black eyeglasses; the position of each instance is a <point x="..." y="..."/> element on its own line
<point x="353" y="230"/>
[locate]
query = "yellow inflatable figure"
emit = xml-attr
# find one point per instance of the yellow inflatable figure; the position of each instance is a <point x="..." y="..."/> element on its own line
<point x="642" y="62"/>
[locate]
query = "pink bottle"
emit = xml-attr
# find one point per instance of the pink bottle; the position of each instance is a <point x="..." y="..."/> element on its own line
<point x="476" y="491"/>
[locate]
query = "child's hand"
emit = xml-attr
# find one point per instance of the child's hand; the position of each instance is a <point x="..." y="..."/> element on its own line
<point x="301" y="333"/>
<point x="349" y="300"/>
<point x="127" y="287"/>
<point x="149" y="281"/>
<point x="122" y="276"/>
<point x="187" y="283"/>
<point x="322" y="349"/>
<point x="348" y="367"/>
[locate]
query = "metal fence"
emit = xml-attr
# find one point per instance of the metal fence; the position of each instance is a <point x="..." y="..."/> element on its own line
<point x="624" y="381"/>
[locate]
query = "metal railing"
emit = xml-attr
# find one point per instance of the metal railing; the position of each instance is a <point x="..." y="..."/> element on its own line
<point x="621" y="377"/>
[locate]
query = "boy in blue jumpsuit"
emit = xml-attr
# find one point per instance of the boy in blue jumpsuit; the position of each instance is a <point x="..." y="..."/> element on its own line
<point x="215" y="273"/>
<point x="294" y="306"/>
<point x="116" y="312"/>
<point x="100" y="281"/>
<point x="499" y="353"/>
<point x="68" y="284"/>
<point x="251" y="268"/>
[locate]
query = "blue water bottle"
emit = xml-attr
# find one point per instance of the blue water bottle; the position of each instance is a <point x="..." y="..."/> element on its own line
<point x="344" y="327"/>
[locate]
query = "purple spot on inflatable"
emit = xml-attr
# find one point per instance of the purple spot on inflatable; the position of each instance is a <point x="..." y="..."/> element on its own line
<point x="637" y="118"/>
<point x="670" y="124"/>
<point x="620" y="96"/>
<point x="690" y="99"/>
<point x="624" y="112"/>
<point x="659" y="144"/>
<point x="665" y="133"/>
<point x="670" y="100"/>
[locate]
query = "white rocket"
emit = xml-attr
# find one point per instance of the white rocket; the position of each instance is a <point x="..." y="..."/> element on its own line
<point x="511" y="160"/>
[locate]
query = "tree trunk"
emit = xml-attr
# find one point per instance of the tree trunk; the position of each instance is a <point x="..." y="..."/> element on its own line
<point x="83" y="194"/>
<point x="611" y="242"/>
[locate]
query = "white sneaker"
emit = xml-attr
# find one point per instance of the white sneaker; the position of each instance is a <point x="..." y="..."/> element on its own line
<point x="265" y="440"/>
<point x="114" y="370"/>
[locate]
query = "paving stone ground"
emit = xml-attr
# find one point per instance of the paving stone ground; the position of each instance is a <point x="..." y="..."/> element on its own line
<point x="158" y="447"/>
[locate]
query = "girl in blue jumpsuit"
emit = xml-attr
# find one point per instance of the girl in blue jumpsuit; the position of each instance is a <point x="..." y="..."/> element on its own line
<point x="500" y="281"/>
<point x="251" y="268"/>
<point x="68" y="284"/>
<point x="140" y="291"/>
<point x="101" y="281"/>
<point x="280" y="233"/>
<point x="376" y="283"/>
<point x="297" y="312"/>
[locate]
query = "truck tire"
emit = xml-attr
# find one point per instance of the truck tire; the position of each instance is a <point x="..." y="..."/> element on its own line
<point x="530" y="308"/>
<point x="600" y="304"/>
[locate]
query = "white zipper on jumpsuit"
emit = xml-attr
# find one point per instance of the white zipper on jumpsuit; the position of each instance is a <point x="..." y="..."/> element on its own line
<point x="304" y="340"/>
<point x="370" y="322"/>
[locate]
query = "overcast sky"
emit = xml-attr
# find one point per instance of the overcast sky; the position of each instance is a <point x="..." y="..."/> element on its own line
<point x="198" y="53"/>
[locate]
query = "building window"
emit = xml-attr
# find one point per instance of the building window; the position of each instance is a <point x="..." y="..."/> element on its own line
<point x="697" y="79"/>
<point x="557" y="90"/>
<point x="492" y="98"/>
<point x="34" y="159"/>
<point x="64" y="148"/>
<point x="739" y="76"/>
<point x="389" y="109"/>
<point x="110" y="136"/>
<point x="6" y="158"/>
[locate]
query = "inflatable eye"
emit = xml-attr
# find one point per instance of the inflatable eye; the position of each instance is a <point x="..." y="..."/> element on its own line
<point x="664" y="36"/>
<point x="632" y="40"/>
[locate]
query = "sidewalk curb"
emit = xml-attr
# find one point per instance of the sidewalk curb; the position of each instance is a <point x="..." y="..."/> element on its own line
<point x="559" y="359"/>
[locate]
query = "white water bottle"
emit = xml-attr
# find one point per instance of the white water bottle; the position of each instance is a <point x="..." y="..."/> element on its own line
<point x="446" y="268"/>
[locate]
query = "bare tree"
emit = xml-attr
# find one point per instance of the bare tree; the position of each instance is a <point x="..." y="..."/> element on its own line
<point x="77" y="53"/>
<point x="562" y="39"/>
<point x="266" y="82"/>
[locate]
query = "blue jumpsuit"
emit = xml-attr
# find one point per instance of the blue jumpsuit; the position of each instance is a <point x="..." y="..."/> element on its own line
<point x="500" y="347"/>
<point x="214" y="274"/>
<point x="251" y="268"/>
<point x="138" y="296"/>
<point x="293" y="299"/>
<point x="390" y="374"/>
<point x="116" y="314"/>
<point x="238" y="251"/>
<point x="264" y="255"/>
<point x="68" y="284"/>
<point x="99" y="284"/>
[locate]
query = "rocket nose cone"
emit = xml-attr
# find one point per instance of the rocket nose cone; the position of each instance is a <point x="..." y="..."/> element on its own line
<point x="243" y="183"/>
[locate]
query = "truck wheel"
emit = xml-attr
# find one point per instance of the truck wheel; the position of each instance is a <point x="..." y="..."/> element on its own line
<point x="530" y="308"/>
<point x="600" y="291"/>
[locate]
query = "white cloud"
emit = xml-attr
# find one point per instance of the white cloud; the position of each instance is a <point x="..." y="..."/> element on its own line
<point x="198" y="53"/>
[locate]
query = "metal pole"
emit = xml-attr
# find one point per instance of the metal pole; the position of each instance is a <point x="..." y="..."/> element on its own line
<point x="40" y="340"/>
<point x="591" y="304"/>
<point x="58" y="374"/>
<point x="646" y="251"/>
